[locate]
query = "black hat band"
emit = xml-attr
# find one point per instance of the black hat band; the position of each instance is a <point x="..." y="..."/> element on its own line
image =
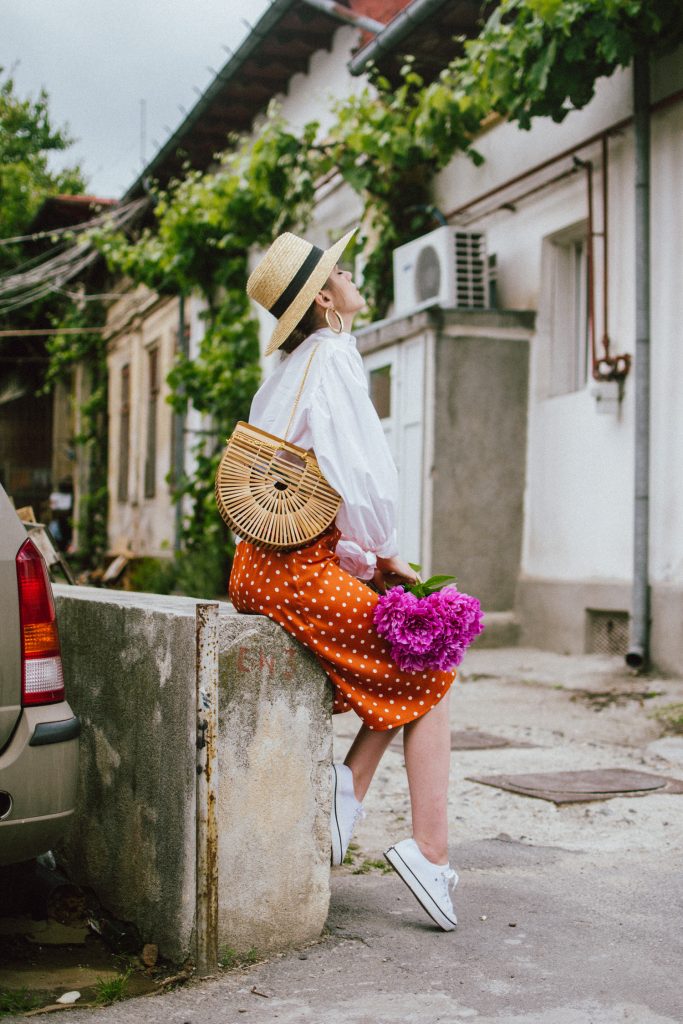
<point x="298" y="281"/>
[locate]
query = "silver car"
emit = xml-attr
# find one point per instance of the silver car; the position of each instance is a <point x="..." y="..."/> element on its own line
<point x="38" y="729"/>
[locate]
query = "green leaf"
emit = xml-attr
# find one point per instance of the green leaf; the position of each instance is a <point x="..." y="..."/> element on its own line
<point x="436" y="582"/>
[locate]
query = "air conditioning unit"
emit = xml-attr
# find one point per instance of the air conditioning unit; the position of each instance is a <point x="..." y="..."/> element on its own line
<point x="448" y="267"/>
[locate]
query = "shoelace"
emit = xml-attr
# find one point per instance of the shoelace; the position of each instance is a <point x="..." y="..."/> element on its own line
<point x="358" y="815"/>
<point x="449" y="880"/>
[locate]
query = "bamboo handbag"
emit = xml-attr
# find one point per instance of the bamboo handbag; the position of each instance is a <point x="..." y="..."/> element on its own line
<point x="272" y="492"/>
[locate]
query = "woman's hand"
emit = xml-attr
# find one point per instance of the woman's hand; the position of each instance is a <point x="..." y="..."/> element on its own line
<point x="393" y="571"/>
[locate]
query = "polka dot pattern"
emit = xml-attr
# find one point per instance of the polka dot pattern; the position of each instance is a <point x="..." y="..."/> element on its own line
<point x="330" y="612"/>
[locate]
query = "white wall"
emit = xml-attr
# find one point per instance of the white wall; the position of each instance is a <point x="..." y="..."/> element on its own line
<point x="578" y="517"/>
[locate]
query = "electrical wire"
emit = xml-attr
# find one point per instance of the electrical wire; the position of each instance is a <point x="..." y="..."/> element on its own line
<point x="74" y="228"/>
<point x="21" y="288"/>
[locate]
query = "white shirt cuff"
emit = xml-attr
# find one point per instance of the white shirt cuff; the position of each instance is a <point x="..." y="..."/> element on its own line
<point x="390" y="547"/>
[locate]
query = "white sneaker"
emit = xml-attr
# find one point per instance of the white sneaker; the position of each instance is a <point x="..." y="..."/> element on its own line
<point x="346" y="811"/>
<point x="431" y="884"/>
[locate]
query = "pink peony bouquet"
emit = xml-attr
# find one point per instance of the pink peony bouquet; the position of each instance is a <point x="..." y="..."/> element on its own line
<point x="429" y="625"/>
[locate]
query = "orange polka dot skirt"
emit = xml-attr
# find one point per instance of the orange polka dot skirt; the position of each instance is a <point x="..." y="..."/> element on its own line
<point x="330" y="612"/>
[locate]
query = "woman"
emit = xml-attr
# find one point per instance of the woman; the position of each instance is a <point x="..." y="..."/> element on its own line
<point x="319" y="593"/>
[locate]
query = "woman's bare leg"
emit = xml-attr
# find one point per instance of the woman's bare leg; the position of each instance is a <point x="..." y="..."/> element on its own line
<point x="427" y="748"/>
<point x="365" y="754"/>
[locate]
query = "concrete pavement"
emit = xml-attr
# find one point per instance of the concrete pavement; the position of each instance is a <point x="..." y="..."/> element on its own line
<point x="567" y="915"/>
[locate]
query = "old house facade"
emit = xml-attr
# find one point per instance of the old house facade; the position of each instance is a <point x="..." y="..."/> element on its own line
<point x="516" y="467"/>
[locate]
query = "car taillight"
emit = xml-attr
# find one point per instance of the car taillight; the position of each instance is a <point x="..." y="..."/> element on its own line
<point x="42" y="681"/>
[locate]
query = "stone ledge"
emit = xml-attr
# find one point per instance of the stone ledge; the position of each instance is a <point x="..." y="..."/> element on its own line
<point x="130" y="670"/>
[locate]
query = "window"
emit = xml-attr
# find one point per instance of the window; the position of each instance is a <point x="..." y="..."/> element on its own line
<point x="380" y="391"/>
<point x="569" y="336"/>
<point x="152" y="402"/>
<point x="124" y="434"/>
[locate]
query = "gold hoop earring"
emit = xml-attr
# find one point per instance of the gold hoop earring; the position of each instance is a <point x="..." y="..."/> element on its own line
<point x="337" y="330"/>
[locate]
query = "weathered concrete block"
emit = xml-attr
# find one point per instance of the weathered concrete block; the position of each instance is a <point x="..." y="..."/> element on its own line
<point x="129" y="663"/>
<point x="275" y="748"/>
<point x="130" y="666"/>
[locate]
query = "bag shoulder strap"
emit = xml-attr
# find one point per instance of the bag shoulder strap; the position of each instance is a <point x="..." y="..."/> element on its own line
<point x="301" y="388"/>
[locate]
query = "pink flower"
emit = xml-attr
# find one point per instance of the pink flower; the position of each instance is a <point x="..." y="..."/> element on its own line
<point x="391" y="611"/>
<point x="431" y="632"/>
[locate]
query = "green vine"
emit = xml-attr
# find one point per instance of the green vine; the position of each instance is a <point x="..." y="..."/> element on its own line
<point x="88" y="351"/>
<point x="205" y="227"/>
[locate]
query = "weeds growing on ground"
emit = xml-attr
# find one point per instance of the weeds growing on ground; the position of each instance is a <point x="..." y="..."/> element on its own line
<point x="670" y="716"/>
<point x="351" y="855"/>
<point x="111" y="990"/>
<point x="372" y="865"/>
<point x="599" y="700"/>
<point x="229" y="958"/>
<point x="16" y="1001"/>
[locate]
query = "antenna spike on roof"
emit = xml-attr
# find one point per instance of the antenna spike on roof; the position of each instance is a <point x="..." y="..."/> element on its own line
<point x="227" y="50"/>
<point x="197" y="90"/>
<point x="212" y="70"/>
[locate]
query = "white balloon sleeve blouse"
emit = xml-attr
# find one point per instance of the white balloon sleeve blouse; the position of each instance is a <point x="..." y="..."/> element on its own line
<point x="336" y="418"/>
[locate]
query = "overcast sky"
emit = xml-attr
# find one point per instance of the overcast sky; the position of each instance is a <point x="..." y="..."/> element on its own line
<point x="99" y="58"/>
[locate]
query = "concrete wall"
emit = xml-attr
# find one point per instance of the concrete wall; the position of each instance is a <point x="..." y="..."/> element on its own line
<point x="480" y="403"/>
<point x="553" y="615"/>
<point x="275" y="750"/>
<point x="130" y="667"/>
<point x="473" y="457"/>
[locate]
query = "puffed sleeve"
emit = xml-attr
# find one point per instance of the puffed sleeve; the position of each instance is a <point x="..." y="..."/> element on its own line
<point x="354" y="456"/>
<point x="354" y="560"/>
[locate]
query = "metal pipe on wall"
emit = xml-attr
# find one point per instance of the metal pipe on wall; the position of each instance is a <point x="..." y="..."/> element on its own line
<point x="206" y="629"/>
<point x="179" y="431"/>
<point x="605" y="246"/>
<point x="638" y="653"/>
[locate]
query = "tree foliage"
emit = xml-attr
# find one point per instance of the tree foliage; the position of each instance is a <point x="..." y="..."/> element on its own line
<point x="27" y="139"/>
<point x="205" y="226"/>
<point x="542" y="58"/>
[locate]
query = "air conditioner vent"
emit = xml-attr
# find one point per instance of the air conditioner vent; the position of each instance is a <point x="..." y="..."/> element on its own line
<point x="471" y="271"/>
<point x="447" y="266"/>
<point x="427" y="274"/>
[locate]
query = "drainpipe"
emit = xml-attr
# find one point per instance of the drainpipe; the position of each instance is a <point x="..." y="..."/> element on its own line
<point x="179" y="431"/>
<point x="639" y="650"/>
<point x="345" y="15"/>
<point x="397" y="30"/>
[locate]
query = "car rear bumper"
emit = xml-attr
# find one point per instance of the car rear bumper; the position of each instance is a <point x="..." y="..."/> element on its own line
<point x="38" y="780"/>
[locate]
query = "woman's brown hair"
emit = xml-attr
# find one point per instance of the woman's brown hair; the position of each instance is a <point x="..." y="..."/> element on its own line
<point x="306" y="326"/>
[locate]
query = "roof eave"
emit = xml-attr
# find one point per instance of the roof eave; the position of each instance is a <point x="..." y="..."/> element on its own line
<point x="229" y="69"/>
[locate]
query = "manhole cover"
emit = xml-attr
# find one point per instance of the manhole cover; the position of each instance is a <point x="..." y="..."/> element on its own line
<point x="471" y="739"/>
<point x="571" y="787"/>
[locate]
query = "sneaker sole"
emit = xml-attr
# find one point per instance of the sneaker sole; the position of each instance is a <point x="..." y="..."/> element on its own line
<point x="337" y="849"/>
<point x="406" y="874"/>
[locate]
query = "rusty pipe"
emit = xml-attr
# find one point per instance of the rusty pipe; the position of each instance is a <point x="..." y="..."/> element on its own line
<point x="206" y="632"/>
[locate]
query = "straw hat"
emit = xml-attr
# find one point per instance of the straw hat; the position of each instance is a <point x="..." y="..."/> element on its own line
<point x="289" y="277"/>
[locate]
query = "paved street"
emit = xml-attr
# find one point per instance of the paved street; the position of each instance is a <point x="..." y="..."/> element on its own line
<point x="567" y="914"/>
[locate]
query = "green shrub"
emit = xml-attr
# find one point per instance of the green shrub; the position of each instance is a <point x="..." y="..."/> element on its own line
<point x="152" y="575"/>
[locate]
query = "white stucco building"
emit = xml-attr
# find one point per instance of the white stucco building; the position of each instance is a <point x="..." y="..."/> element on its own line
<point x="556" y="208"/>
